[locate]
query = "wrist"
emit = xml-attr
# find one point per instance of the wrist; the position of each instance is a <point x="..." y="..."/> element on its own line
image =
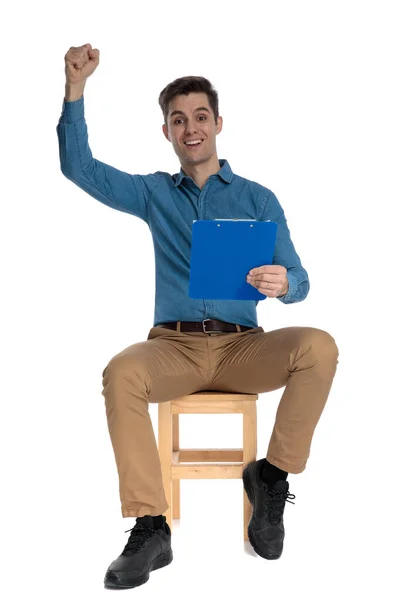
<point x="285" y="289"/>
<point x="74" y="92"/>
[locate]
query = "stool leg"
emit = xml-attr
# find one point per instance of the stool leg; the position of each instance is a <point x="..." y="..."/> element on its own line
<point x="249" y="452"/>
<point x="165" y="453"/>
<point x="176" y="483"/>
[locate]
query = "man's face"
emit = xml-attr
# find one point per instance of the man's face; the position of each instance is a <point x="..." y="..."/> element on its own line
<point x="193" y="121"/>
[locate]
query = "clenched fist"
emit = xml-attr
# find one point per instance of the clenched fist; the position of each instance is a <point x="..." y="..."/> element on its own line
<point x="80" y="63"/>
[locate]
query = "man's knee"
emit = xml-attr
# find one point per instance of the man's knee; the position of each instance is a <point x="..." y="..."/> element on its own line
<point x="124" y="367"/>
<point x="323" y="342"/>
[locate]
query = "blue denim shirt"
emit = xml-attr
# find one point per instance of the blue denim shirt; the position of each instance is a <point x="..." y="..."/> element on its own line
<point x="169" y="204"/>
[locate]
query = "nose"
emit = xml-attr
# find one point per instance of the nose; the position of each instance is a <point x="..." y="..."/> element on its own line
<point x="191" y="127"/>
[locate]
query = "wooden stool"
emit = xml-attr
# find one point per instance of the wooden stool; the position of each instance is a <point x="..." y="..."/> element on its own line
<point x="171" y="455"/>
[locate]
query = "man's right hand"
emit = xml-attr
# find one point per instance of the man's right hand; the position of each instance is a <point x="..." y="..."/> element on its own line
<point x="80" y="63"/>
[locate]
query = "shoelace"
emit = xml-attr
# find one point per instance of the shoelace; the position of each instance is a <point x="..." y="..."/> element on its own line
<point x="139" y="534"/>
<point x="275" y="504"/>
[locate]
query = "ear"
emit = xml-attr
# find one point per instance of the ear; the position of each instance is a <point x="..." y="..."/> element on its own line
<point x="165" y="131"/>
<point x="219" y="125"/>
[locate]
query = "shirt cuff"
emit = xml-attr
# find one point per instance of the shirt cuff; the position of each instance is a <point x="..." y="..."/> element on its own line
<point x="73" y="111"/>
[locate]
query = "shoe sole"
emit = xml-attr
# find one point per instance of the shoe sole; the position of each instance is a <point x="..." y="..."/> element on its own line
<point x="249" y="491"/>
<point x="161" y="561"/>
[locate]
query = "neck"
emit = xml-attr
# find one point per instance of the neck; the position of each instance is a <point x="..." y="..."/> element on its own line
<point x="202" y="171"/>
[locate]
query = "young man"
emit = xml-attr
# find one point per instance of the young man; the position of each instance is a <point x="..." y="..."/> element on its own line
<point x="197" y="344"/>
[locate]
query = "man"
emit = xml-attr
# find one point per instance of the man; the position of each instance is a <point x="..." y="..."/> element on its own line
<point x="197" y="344"/>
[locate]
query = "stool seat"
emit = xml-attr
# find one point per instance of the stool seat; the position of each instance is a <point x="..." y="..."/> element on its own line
<point x="208" y="461"/>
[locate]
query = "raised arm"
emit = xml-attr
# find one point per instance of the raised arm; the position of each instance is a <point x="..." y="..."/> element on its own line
<point x="117" y="189"/>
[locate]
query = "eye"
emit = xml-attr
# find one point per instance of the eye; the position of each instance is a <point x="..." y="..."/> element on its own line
<point x="200" y="117"/>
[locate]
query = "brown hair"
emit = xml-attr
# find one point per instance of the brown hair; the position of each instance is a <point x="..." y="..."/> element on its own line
<point x="185" y="85"/>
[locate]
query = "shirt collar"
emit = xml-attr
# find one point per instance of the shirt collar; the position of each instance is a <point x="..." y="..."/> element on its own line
<point x="225" y="172"/>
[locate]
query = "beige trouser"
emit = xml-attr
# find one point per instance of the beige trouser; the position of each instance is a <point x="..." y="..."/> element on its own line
<point x="170" y="364"/>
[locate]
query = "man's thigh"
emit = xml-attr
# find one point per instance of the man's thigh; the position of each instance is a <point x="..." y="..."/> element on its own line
<point x="163" y="368"/>
<point x="263" y="362"/>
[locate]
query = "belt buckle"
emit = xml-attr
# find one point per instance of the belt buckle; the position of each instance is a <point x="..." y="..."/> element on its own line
<point x="213" y="331"/>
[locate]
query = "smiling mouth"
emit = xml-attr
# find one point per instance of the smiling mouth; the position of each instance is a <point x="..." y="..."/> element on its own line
<point x="193" y="145"/>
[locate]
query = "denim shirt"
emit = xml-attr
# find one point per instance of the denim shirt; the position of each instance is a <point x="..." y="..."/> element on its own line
<point x="169" y="204"/>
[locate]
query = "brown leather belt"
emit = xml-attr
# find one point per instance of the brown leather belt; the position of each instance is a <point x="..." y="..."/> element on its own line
<point x="205" y="326"/>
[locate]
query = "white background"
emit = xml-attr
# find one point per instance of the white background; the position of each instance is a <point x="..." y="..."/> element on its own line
<point x="309" y="96"/>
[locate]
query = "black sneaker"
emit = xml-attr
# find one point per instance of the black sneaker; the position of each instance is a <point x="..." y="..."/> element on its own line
<point x="147" y="549"/>
<point x="265" y="529"/>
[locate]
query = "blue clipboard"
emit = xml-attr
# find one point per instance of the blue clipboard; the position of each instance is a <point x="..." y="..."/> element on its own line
<point x="223" y="252"/>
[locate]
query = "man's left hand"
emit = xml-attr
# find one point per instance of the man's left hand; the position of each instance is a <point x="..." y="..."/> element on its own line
<point x="270" y="280"/>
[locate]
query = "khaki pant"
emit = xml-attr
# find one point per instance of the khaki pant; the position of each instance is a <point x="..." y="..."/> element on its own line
<point x="170" y="364"/>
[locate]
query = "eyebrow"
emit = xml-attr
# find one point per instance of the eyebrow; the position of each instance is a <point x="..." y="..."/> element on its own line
<point x="180" y="112"/>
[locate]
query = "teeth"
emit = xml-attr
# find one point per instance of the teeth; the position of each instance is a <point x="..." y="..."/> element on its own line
<point x="193" y="143"/>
